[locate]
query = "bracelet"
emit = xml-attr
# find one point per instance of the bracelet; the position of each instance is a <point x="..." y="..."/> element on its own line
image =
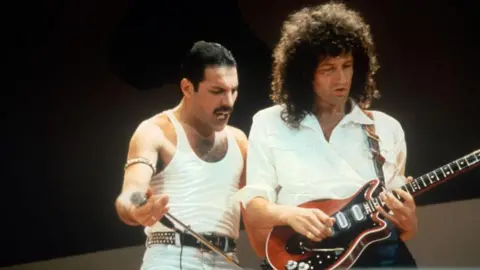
<point x="141" y="160"/>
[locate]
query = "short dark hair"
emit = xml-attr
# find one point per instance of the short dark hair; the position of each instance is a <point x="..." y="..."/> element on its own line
<point x="311" y="35"/>
<point x="204" y="54"/>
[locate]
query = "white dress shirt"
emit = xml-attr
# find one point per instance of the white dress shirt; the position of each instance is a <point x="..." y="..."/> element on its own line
<point x="292" y="166"/>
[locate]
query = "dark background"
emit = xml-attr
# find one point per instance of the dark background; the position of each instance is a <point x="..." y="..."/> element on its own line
<point x="87" y="72"/>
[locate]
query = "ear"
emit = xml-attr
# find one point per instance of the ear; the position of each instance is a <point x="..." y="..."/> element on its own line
<point x="187" y="87"/>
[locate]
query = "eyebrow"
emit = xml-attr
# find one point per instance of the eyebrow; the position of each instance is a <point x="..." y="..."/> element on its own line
<point x="327" y="64"/>
<point x="221" y="88"/>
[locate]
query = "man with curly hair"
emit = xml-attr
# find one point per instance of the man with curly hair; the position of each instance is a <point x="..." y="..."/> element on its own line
<point x="312" y="144"/>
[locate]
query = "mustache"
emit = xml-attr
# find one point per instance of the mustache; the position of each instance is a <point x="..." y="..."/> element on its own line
<point x="223" y="109"/>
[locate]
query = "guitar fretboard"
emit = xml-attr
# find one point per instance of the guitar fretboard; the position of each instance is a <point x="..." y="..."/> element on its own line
<point x="428" y="180"/>
<point x="443" y="173"/>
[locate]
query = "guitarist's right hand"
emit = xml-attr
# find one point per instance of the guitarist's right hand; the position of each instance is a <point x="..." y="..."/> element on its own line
<point x="313" y="223"/>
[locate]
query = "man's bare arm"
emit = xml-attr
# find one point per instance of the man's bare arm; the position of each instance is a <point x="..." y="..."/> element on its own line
<point x="269" y="214"/>
<point x="144" y="144"/>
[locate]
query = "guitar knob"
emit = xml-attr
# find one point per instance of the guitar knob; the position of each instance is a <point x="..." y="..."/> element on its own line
<point x="291" y="265"/>
<point x="303" y="266"/>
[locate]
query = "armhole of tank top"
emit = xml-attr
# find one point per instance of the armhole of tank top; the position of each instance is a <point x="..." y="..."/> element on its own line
<point x="180" y="135"/>
<point x="233" y="140"/>
<point x="182" y="140"/>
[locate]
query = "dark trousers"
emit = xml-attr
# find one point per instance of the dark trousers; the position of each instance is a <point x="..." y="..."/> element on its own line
<point x="390" y="254"/>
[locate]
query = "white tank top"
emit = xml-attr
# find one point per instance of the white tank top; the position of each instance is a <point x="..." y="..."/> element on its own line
<point x="201" y="194"/>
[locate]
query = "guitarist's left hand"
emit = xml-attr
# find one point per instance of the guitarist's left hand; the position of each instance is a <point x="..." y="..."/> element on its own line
<point x="402" y="215"/>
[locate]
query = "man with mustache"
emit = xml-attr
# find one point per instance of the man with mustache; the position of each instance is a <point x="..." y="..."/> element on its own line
<point x="189" y="162"/>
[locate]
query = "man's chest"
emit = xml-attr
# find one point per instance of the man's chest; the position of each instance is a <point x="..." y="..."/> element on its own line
<point x="209" y="150"/>
<point x="307" y="157"/>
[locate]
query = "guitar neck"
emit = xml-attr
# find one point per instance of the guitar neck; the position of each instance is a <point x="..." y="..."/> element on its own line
<point x="442" y="174"/>
<point x="429" y="180"/>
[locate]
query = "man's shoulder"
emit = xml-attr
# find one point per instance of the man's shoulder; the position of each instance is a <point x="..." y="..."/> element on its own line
<point x="270" y="114"/>
<point x="240" y="138"/>
<point x="386" y="120"/>
<point x="158" y="123"/>
<point x="384" y="117"/>
<point x="161" y="120"/>
<point x="237" y="133"/>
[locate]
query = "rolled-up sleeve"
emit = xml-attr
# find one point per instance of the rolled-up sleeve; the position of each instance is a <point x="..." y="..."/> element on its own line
<point x="261" y="180"/>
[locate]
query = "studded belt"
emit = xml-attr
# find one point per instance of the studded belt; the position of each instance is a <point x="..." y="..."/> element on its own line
<point x="224" y="243"/>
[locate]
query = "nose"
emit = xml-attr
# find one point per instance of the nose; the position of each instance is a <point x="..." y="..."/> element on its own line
<point x="341" y="76"/>
<point x="228" y="99"/>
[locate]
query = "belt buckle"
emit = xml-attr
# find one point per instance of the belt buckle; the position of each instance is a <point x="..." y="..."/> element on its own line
<point x="217" y="242"/>
<point x="226" y="246"/>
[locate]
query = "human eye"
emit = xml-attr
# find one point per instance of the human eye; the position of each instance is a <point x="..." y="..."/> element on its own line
<point x="216" y="91"/>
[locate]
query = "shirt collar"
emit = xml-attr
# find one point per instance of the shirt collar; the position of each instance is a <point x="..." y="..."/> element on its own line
<point x="356" y="115"/>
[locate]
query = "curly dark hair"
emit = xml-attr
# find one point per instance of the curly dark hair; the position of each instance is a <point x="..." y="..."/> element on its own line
<point x="310" y="35"/>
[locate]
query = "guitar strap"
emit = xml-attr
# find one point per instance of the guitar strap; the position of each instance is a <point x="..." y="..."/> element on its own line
<point x="378" y="161"/>
<point x="373" y="143"/>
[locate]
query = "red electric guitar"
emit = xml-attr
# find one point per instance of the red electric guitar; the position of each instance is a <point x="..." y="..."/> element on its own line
<point x="357" y="225"/>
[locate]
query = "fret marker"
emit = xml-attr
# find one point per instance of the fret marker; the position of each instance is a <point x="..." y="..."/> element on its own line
<point x="415" y="186"/>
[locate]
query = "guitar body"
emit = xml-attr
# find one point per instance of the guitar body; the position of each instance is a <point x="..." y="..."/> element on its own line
<point x="357" y="223"/>
<point x="284" y="245"/>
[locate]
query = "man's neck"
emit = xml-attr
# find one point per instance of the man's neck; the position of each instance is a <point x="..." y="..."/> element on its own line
<point x="186" y="115"/>
<point x="329" y="113"/>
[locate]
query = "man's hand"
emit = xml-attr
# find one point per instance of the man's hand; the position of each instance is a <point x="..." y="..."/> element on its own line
<point x="313" y="223"/>
<point x="152" y="211"/>
<point x="402" y="215"/>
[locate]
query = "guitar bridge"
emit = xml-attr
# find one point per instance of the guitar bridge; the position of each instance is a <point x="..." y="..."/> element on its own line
<point x="335" y="250"/>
